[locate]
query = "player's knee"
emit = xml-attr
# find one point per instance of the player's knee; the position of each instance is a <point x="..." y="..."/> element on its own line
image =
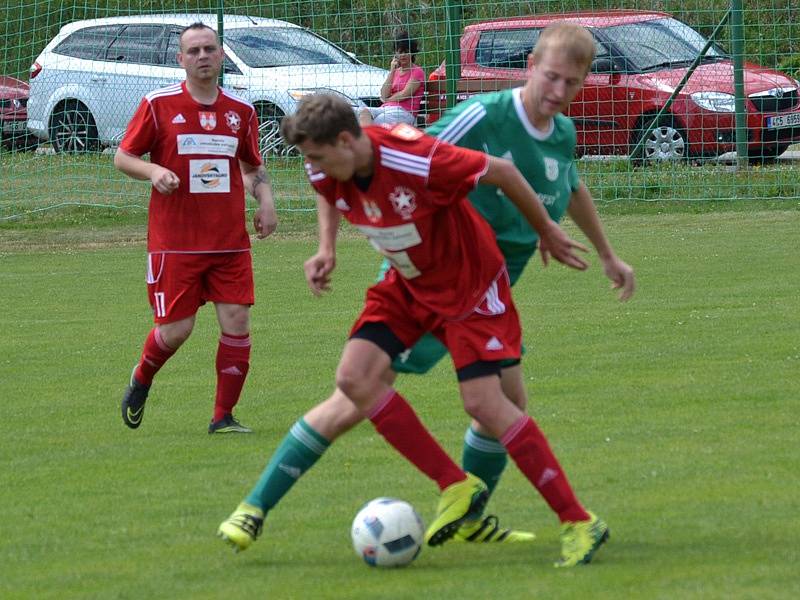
<point x="354" y="383"/>
<point x="474" y="405"/>
<point x="234" y="319"/>
<point x="175" y="334"/>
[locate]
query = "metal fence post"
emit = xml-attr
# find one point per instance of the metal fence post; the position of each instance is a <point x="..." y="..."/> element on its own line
<point x="221" y="34"/>
<point x="453" y="16"/>
<point x="737" y="47"/>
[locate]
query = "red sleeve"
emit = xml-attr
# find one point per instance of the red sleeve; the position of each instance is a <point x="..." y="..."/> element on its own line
<point x="141" y="132"/>
<point x="454" y="171"/>
<point x="418" y="74"/>
<point x="322" y="184"/>
<point x="249" y="151"/>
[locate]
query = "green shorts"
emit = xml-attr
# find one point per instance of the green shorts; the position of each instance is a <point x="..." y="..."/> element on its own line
<point x="428" y="351"/>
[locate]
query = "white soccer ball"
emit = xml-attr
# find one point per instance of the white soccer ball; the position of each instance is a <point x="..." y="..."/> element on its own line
<point x="387" y="533"/>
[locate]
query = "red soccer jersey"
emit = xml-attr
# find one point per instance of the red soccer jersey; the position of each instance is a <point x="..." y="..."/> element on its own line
<point x="415" y="213"/>
<point x="201" y="145"/>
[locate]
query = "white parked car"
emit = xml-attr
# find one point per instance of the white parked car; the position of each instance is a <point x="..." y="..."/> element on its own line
<point x="88" y="81"/>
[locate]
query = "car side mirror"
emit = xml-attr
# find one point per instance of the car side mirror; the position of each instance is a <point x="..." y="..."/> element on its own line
<point x="604" y="65"/>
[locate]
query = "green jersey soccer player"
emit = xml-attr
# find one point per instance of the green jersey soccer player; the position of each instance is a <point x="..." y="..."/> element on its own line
<point x="497" y="124"/>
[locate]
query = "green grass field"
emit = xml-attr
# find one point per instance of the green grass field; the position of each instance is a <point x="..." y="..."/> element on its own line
<point x="676" y="416"/>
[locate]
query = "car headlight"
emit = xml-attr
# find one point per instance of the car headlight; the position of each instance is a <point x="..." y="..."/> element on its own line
<point x="298" y="94"/>
<point x="715" y="101"/>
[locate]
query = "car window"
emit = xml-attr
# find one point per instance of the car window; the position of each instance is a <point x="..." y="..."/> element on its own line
<point x="506" y="49"/>
<point x="174" y="46"/>
<point x="89" y="43"/>
<point x="283" y="47"/>
<point x="659" y="43"/>
<point x="138" y="44"/>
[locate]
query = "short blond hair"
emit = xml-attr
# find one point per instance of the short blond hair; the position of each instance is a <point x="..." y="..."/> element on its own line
<point x="570" y="38"/>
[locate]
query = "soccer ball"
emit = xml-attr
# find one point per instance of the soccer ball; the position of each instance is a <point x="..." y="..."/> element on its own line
<point x="387" y="533"/>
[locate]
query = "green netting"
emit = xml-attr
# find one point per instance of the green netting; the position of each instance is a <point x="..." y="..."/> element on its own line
<point x="94" y="82"/>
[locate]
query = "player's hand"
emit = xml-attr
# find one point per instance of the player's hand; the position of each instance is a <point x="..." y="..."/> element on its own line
<point x="621" y="275"/>
<point x="554" y="242"/>
<point x="265" y="220"/>
<point x="164" y="180"/>
<point x="394" y="64"/>
<point x="318" y="271"/>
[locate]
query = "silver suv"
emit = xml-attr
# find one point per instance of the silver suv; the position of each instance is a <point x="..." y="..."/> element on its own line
<point x="88" y="81"/>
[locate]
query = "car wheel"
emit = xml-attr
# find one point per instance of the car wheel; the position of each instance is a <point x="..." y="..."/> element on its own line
<point x="269" y="131"/>
<point x="765" y="154"/>
<point x="665" y="141"/>
<point x="72" y="129"/>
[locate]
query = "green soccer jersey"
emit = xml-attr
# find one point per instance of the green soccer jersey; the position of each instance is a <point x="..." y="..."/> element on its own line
<point x="497" y="124"/>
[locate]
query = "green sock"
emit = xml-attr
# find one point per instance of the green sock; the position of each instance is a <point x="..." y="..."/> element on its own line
<point x="299" y="450"/>
<point x="483" y="456"/>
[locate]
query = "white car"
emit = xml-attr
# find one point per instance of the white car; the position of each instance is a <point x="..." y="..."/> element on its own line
<point x="88" y="81"/>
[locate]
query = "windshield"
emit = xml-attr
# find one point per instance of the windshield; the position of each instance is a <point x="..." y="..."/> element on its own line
<point x="660" y="43"/>
<point x="260" y="47"/>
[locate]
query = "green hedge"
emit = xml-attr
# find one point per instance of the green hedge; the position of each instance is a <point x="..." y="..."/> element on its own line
<point x="772" y="36"/>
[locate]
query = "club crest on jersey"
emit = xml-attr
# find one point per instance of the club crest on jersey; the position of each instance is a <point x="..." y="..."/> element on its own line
<point x="233" y="121"/>
<point x="372" y="210"/>
<point x="550" y="168"/>
<point x="406" y="132"/>
<point x="208" y="120"/>
<point x="403" y="201"/>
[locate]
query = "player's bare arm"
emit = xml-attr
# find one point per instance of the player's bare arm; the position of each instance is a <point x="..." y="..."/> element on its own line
<point x="258" y="182"/>
<point x="319" y="267"/>
<point x="164" y="180"/>
<point x="552" y="239"/>
<point x="581" y="209"/>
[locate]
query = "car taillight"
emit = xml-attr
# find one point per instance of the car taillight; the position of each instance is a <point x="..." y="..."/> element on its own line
<point x="35" y="69"/>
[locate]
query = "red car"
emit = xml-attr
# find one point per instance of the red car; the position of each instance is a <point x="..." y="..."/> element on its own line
<point x="641" y="58"/>
<point x="14" y="116"/>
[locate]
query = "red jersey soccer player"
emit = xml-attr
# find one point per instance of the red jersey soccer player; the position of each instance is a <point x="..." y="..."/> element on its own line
<point x="406" y="192"/>
<point x="203" y="147"/>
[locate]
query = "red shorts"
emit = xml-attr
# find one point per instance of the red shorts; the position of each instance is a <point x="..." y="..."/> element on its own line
<point x="492" y="332"/>
<point x="179" y="284"/>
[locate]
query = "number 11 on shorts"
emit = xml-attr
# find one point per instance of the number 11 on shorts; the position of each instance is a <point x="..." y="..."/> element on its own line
<point x="159" y="304"/>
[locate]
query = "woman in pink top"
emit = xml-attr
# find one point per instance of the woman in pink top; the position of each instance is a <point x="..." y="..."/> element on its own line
<point x="401" y="93"/>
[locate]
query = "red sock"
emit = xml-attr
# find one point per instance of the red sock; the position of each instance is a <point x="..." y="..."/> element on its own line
<point x="397" y="422"/>
<point x="233" y="362"/>
<point x="528" y="447"/>
<point x="154" y="354"/>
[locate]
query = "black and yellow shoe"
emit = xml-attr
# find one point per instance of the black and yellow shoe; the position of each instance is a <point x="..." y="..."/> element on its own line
<point x="228" y="424"/>
<point x="488" y="530"/>
<point x="461" y="501"/>
<point x="580" y="540"/>
<point x="133" y="402"/>
<point x="243" y="527"/>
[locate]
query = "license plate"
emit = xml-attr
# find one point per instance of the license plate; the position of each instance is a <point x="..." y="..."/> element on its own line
<point x="779" y="122"/>
<point x="15" y="126"/>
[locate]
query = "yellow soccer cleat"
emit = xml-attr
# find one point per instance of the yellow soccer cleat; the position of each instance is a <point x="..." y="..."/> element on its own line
<point x="461" y="501"/>
<point x="488" y="530"/>
<point x="243" y="527"/>
<point x="580" y="540"/>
